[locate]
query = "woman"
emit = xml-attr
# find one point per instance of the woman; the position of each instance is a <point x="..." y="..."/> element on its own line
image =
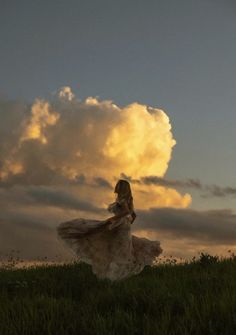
<point x="124" y="201"/>
<point x="108" y="245"/>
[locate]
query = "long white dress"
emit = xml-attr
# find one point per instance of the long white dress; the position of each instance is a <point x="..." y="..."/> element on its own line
<point x="113" y="253"/>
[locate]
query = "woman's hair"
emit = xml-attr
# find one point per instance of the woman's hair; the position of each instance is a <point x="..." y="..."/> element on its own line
<point x="123" y="191"/>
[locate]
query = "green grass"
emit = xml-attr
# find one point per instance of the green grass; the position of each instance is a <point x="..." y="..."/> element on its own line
<point x="192" y="298"/>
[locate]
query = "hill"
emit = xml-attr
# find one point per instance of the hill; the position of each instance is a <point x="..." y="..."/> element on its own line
<point x="198" y="297"/>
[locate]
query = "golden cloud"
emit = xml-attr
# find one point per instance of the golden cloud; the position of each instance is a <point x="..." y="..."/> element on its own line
<point x="41" y="117"/>
<point x="68" y="138"/>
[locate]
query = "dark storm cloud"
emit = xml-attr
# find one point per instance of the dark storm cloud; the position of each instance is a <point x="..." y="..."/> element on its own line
<point x="30" y="236"/>
<point x="189" y="183"/>
<point x="42" y="195"/>
<point x="96" y="182"/>
<point x="61" y="199"/>
<point x="214" y="226"/>
<point x="209" y="190"/>
<point x="159" y="181"/>
<point x="217" y="191"/>
<point x="29" y="224"/>
<point x="102" y="182"/>
<point x="28" y="220"/>
<point x="27" y="232"/>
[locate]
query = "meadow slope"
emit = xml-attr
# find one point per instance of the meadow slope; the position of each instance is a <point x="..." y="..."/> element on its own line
<point x="198" y="297"/>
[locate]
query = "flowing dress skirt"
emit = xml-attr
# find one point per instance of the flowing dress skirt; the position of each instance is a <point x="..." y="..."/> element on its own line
<point x="113" y="254"/>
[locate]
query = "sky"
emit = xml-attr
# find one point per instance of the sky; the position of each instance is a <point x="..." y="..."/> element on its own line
<point x="80" y="81"/>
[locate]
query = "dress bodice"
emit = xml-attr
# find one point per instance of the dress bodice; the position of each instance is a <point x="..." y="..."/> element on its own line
<point x="116" y="208"/>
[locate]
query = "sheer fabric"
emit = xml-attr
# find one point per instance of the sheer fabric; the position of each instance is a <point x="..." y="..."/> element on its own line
<point x="113" y="253"/>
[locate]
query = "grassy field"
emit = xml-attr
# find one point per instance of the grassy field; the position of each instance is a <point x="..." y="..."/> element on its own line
<point x="198" y="297"/>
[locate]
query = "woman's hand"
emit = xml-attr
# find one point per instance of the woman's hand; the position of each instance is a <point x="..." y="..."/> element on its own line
<point x="110" y="221"/>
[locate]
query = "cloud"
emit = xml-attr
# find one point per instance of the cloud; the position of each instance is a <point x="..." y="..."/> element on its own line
<point x="61" y="159"/>
<point x="212" y="225"/>
<point x="182" y="232"/>
<point x="188" y="230"/>
<point x="209" y="190"/>
<point x="189" y="183"/>
<point x="53" y="197"/>
<point x="102" y="182"/>
<point x="29" y="217"/>
<point x="66" y="140"/>
<point x="31" y="238"/>
<point x="41" y="117"/>
<point x="218" y="191"/>
<point x="66" y="93"/>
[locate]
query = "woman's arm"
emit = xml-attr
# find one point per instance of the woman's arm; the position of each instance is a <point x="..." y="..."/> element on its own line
<point x="125" y="211"/>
